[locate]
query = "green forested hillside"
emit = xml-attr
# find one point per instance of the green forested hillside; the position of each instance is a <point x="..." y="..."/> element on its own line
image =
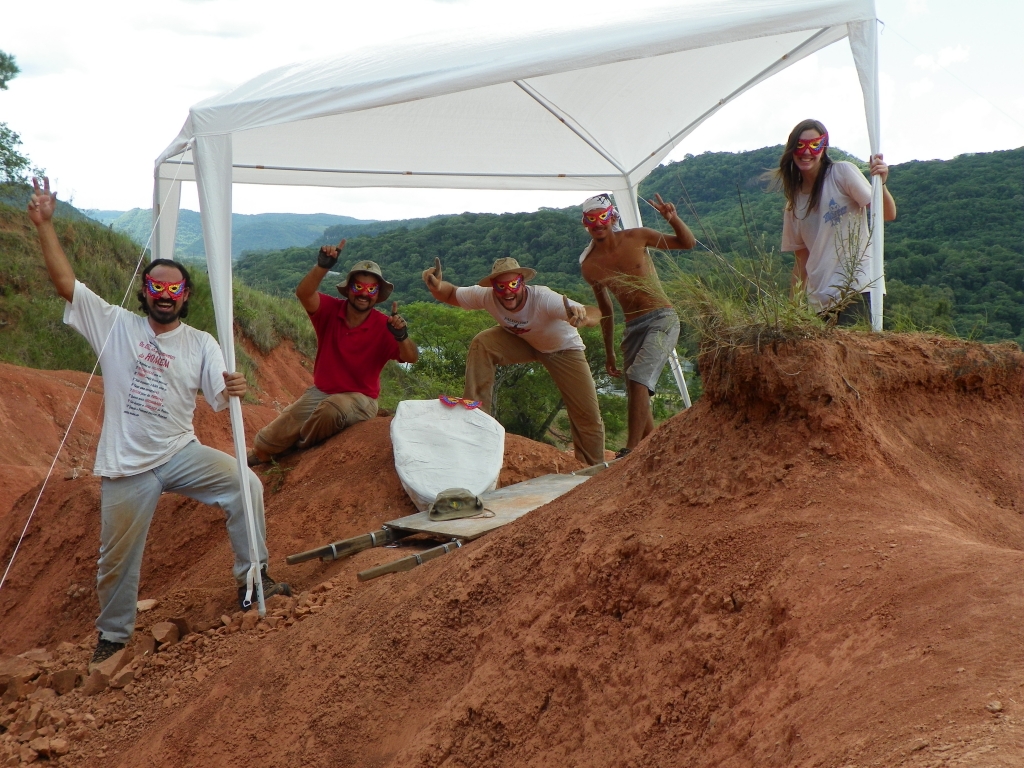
<point x="953" y="256"/>
<point x="32" y="331"/>
<point x="338" y="232"/>
<point x="467" y="244"/>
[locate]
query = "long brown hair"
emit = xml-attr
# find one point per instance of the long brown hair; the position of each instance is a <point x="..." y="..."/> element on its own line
<point x="789" y="175"/>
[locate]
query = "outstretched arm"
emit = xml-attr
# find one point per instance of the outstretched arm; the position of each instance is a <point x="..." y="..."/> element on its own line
<point x="307" y="289"/>
<point x="440" y="289"/>
<point x="40" y="212"/>
<point x="683" y="239"/>
<point x="581" y="315"/>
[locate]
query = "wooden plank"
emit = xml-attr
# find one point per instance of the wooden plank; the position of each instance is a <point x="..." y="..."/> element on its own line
<point x="508" y="504"/>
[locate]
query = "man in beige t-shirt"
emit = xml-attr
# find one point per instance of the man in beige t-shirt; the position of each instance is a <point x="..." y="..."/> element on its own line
<point x="535" y="324"/>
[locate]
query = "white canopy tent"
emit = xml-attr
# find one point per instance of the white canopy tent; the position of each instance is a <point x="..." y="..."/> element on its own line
<point x="592" y="108"/>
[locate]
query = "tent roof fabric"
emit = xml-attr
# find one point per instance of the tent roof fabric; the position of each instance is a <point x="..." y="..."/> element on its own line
<point x="589" y="108"/>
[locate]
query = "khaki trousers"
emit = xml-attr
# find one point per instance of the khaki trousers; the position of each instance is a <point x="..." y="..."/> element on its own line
<point x="568" y="369"/>
<point x="313" y="418"/>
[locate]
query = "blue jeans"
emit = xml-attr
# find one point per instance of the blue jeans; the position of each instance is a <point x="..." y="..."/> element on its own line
<point x="127" y="505"/>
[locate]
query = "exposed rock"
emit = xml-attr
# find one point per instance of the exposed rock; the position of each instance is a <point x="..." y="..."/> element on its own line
<point x="110" y="666"/>
<point x="145" y="646"/>
<point x="65" y="680"/>
<point x="43" y="694"/>
<point x="994" y="707"/>
<point x="16" y="669"/>
<point x="95" y="683"/>
<point x="165" y="633"/>
<point x="147" y="605"/>
<point x="121" y="678"/>
<point x="37" y="655"/>
<point x="183" y="625"/>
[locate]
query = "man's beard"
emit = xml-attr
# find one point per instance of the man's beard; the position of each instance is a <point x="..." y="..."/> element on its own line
<point x="164" y="316"/>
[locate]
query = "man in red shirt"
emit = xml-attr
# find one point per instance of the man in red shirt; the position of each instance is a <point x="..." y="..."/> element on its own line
<point x="354" y="343"/>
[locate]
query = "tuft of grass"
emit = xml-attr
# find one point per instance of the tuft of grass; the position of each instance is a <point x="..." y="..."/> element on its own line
<point x="748" y="300"/>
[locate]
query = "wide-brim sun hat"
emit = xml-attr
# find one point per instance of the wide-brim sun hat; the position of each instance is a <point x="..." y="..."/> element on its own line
<point x="371" y="268"/>
<point x="507" y="264"/>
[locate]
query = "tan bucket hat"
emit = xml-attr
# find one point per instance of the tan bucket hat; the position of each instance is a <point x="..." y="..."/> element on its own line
<point x="371" y="268"/>
<point x="507" y="264"/>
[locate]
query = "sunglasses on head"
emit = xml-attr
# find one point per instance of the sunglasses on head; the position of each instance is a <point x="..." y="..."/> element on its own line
<point x="155" y="289"/>
<point x="811" y="146"/>
<point x="365" y="289"/>
<point x="599" y="218"/>
<point x="508" y="286"/>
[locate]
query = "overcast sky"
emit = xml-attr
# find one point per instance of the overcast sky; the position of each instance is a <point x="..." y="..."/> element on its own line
<point x="105" y="86"/>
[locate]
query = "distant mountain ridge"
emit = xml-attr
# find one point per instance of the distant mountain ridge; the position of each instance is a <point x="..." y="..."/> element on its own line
<point x="249" y="232"/>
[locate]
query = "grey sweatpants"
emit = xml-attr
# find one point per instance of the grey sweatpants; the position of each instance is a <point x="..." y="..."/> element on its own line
<point x="126" y="509"/>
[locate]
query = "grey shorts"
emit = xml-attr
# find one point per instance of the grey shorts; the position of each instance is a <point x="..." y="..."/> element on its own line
<point x="646" y="345"/>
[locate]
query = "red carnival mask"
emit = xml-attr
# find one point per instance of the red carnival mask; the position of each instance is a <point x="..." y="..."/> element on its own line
<point x="369" y="290"/>
<point x="811" y="146"/>
<point x="155" y="289"/>
<point x="451" y="402"/>
<point x="599" y="218"/>
<point x="508" y="286"/>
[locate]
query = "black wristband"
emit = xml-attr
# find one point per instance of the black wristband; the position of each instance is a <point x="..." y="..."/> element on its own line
<point x="400" y="334"/>
<point x="325" y="260"/>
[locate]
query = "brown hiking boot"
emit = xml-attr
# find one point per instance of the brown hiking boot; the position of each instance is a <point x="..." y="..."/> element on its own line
<point x="104" y="650"/>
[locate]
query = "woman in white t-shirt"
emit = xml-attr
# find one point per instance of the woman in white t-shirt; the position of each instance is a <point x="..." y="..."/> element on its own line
<point x="825" y="223"/>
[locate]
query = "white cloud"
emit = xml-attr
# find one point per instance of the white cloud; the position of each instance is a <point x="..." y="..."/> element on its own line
<point x="920" y="87"/>
<point x="945" y="57"/>
<point x="917" y="7"/>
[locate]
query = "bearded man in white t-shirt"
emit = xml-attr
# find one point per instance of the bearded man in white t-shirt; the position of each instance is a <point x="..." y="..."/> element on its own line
<point x="535" y="325"/>
<point x="153" y="368"/>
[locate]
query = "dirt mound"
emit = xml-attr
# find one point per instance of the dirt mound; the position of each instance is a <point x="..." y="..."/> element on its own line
<point x="35" y="410"/>
<point x="818" y="564"/>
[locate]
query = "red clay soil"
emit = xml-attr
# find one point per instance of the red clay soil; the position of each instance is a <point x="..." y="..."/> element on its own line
<point x="817" y="565"/>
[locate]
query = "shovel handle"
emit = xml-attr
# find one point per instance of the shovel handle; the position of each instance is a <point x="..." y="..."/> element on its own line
<point x="408" y="563"/>
<point x="348" y="547"/>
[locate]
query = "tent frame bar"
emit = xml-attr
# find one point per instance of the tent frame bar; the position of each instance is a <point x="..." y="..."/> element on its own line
<point x="569" y="122"/>
<point x="667" y="146"/>
<point x="370" y="172"/>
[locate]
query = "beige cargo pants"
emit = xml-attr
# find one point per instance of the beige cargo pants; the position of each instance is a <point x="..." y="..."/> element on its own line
<point x="313" y="418"/>
<point x="568" y="369"/>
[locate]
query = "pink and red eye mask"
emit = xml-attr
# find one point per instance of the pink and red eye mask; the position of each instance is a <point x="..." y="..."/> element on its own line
<point x="370" y="290"/>
<point x="599" y="217"/>
<point x="451" y="402"/>
<point x="155" y="288"/>
<point x="811" y="146"/>
<point x="515" y="285"/>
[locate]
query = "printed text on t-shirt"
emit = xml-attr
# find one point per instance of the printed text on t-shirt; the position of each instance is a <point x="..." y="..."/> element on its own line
<point x="148" y="388"/>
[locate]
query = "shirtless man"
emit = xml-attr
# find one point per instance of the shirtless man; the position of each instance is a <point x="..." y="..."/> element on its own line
<point x="616" y="263"/>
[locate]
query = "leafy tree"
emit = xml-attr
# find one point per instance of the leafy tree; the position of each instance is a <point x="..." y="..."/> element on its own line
<point x="14" y="166"/>
<point x="8" y="70"/>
